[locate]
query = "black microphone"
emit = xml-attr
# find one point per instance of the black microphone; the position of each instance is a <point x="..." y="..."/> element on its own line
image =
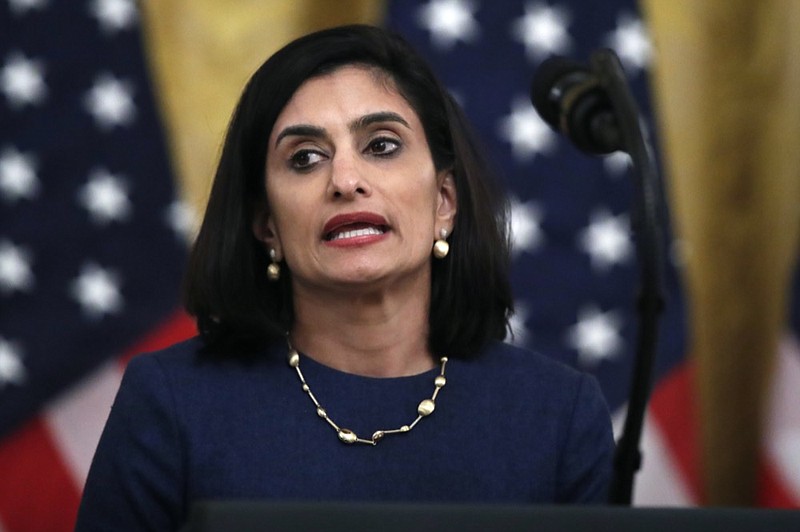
<point x="572" y="100"/>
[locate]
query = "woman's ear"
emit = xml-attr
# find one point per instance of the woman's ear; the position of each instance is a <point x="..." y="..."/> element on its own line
<point x="447" y="202"/>
<point x="264" y="230"/>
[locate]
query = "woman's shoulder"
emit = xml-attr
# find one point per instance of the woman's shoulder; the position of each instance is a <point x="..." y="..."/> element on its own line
<point x="180" y="356"/>
<point x="180" y="352"/>
<point x="502" y="355"/>
<point x="190" y="359"/>
<point x="527" y="372"/>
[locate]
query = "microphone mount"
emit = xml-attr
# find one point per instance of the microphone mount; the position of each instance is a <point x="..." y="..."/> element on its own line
<point x="573" y="101"/>
<point x="595" y="109"/>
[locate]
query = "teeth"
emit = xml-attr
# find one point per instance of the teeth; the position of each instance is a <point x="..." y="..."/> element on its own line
<point x="357" y="232"/>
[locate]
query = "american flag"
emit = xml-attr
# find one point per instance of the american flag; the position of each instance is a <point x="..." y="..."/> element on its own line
<point x="92" y="241"/>
<point x="93" y="233"/>
<point x="574" y="267"/>
<point x="575" y="274"/>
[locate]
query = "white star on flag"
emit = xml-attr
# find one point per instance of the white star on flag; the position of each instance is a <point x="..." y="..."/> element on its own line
<point x="526" y="232"/>
<point x="617" y="163"/>
<point x="114" y="15"/>
<point x="20" y="7"/>
<point x="606" y="239"/>
<point x="22" y="80"/>
<point x="526" y="131"/>
<point x="183" y="219"/>
<point x="543" y="30"/>
<point x="17" y="175"/>
<point x="449" y="21"/>
<point x="97" y="291"/>
<point x="595" y="336"/>
<point x="11" y="369"/>
<point x="110" y="102"/>
<point x="15" y="269"/>
<point x="631" y="41"/>
<point x="105" y="197"/>
<point x="519" y="334"/>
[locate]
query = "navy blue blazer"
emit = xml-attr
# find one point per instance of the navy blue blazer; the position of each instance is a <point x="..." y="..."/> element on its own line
<point x="510" y="426"/>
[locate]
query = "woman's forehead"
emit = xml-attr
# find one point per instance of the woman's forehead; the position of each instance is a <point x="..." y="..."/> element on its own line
<point x="347" y="92"/>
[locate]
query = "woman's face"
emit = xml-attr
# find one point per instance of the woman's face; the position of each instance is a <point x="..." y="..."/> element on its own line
<point x="354" y="199"/>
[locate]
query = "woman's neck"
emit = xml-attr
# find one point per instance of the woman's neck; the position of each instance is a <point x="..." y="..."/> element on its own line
<point x="373" y="334"/>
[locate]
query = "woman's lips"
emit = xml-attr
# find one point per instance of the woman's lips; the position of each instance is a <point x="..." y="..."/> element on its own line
<point x="354" y="232"/>
<point x="356" y="227"/>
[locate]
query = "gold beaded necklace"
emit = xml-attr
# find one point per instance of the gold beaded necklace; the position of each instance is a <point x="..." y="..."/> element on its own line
<point x="425" y="408"/>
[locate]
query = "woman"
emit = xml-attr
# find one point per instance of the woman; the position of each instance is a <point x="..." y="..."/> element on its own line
<point x="350" y="287"/>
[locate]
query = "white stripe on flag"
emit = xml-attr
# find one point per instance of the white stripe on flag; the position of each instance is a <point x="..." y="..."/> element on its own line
<point x="658" y="482"/>
<point x="783" y="423"/>
<point x="77" y="418"/>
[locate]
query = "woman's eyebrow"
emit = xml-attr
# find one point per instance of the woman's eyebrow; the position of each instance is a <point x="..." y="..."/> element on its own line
<point x="307" y="130"/>
<point x="304" y="130"/>
<point x="381" y="116"/>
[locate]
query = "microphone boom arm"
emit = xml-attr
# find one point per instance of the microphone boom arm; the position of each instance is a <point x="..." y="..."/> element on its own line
<point x="648" y="236"/>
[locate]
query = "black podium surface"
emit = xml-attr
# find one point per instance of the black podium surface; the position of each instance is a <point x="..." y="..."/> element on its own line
<point x="247" y="516"/>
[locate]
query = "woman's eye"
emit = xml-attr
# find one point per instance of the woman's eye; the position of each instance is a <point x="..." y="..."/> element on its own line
<point x="305" y="159"/>
<point x="383" y="146"/>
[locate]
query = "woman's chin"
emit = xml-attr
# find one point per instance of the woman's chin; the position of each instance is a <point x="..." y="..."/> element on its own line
<point x="374" y="277"/>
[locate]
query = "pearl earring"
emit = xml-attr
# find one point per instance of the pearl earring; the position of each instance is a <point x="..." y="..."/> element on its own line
<point x="274" y="269"/>
<point x="441" y="248"/>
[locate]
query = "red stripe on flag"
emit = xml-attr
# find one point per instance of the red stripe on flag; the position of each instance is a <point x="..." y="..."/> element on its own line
<point x="37" y="491"/>
<point x="178" y="327"/>
<point x="772" y="491"/>
<point x="673" y="409"/>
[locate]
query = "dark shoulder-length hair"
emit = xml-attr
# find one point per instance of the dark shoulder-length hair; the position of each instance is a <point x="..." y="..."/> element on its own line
<point x="226" y="287"/>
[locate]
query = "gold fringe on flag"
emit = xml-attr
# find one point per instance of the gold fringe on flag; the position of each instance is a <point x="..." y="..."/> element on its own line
<point x="203" y="51"/>
<point x="727" y="80"/>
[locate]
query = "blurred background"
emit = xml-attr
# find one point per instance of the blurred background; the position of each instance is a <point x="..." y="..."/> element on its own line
<point x="112" y="114"/>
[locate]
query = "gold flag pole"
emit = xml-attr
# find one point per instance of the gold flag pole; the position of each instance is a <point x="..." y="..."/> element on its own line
<point x="726" y="82"/>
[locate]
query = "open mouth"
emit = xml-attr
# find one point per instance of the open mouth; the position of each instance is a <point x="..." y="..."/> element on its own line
<point x="355" y="226"/>
<point x="355" y="231"/>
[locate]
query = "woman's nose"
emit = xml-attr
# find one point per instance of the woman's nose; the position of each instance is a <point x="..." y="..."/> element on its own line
<point x="348" y="178"/>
